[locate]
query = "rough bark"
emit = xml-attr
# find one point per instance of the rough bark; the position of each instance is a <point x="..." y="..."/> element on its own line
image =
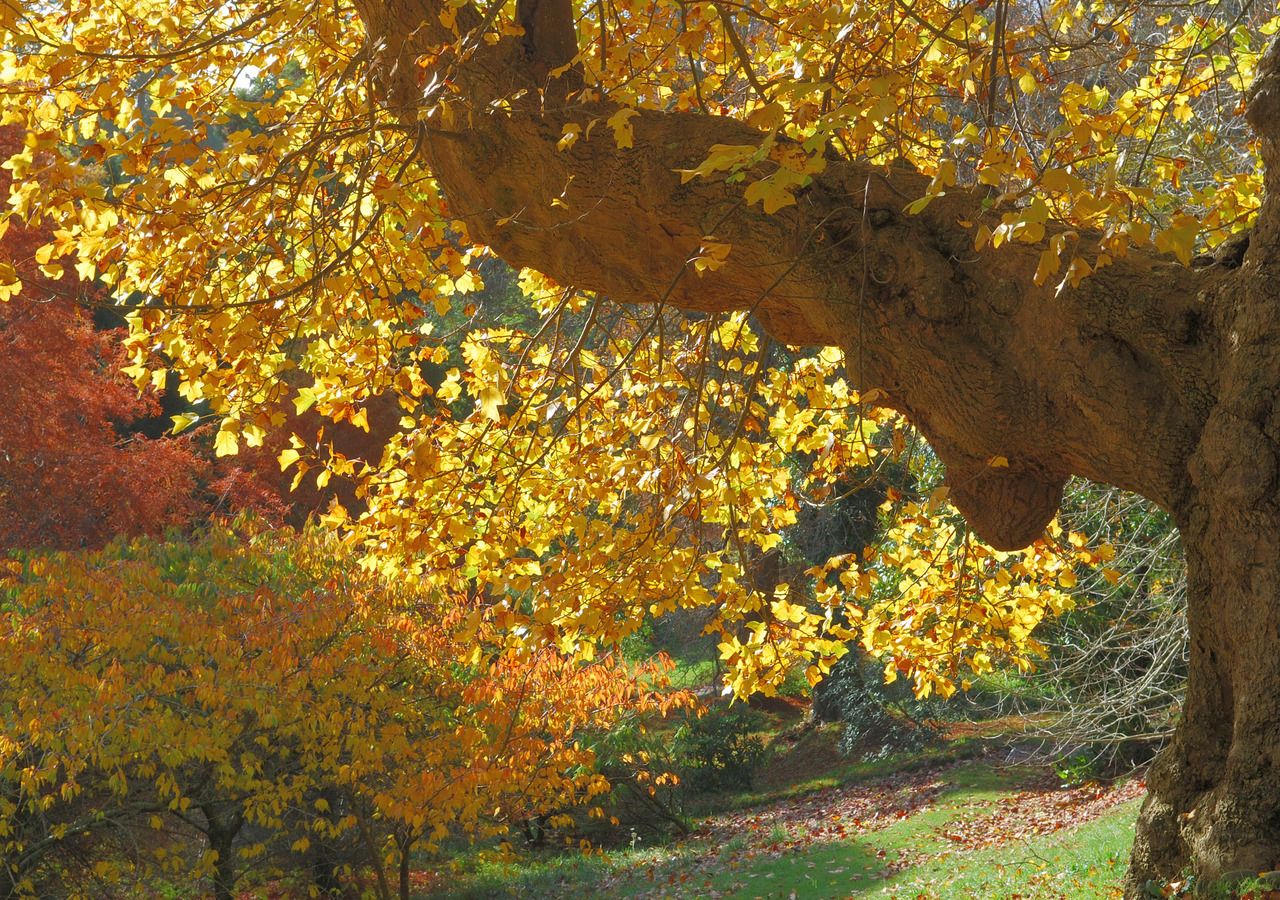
<point x="1150" y="376"/>
<point x="1214" y="800"/>
<point x="223" y="823"/>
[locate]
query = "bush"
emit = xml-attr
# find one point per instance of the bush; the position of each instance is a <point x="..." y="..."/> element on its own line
<point x="647" y="795"/>
<point x="719" y="751"/>
<point x="878" y="718"/>
<point x="1076" y="770"/>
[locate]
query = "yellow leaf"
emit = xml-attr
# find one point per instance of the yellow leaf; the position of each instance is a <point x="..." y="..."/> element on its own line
<point x="620" y="122"/>
<point x="1049" y="262"/>
<point x="936" y="499"/>
<point x="1179" y="238"/>
<point x="981" y="237"/>
<point x="772" y="192"/>
<point x="915" y="207"/>
<point x="490" y="400"/>
<point x="305" y="400"/>
<point x="946" y="176"/>
<point x="767" y="117"/>
<point x="10" y="284"/>
<point x="1058" y="180"/>
<point x="569" y="137"/>
<point x="183" y="421"/>
<point x="226" y="442"/>
<point x="711" y="255"/>
<point x="1076" y="272"/>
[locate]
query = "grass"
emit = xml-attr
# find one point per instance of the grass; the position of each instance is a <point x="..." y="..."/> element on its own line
<point x="1086" y="862"/>
<point x="868" y="864"/>
<point x="1081" y="863"/>
<point x="908" y="858"/>
<point x="905" y="855"/>
<point x="545" y="877"/>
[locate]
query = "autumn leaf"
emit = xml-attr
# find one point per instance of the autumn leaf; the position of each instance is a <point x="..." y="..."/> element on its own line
<point x="620" y="122"/>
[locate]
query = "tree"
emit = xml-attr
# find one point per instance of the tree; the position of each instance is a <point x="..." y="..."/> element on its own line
<point x="70" y="474"/>
<point x="829" y="168"/>
<point x="257" y="690"/>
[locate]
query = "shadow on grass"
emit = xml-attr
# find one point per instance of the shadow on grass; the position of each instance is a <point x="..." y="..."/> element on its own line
<point x="678" y="871"/>
<point x="787" y="848"/>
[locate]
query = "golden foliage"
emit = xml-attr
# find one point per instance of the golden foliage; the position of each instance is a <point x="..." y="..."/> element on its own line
<point x="260" y="677"/>
<point x="223" y="168"/>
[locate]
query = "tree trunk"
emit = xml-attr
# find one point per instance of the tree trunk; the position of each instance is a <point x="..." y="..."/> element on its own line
<point x="404" y="844"/>
<point x="223" y="823"/>
<point x="1213" y="803"/>
<point x="1150" y="376"/>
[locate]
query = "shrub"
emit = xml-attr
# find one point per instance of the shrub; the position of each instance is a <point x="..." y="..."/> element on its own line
<point x="720" y="750"/>
<point x="648" y="795"/>
<point x="878" y="719"/>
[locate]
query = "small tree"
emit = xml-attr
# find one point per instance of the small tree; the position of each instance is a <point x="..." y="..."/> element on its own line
<point x="258" y="691"/>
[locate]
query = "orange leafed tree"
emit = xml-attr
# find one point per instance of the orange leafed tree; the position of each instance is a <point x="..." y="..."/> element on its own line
<point x="259" y="692"/>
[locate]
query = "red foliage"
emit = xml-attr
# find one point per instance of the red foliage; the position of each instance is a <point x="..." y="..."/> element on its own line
<point x="70" y="474"/>
<point x="242" y="484"/>
<point x="73" y="471"/>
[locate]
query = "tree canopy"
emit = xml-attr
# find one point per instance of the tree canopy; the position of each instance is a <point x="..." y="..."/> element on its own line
<point x="269" y="217"/>
<point x="1017" y="225"/>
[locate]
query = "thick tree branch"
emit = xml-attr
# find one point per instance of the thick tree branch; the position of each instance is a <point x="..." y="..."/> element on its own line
<point x="1263" y="106"/>
<point x="1086" y="381"/>
<point x="549" y="34"/>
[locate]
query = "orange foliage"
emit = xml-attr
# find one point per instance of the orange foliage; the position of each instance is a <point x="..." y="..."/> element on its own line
<point x="156" y="698"/>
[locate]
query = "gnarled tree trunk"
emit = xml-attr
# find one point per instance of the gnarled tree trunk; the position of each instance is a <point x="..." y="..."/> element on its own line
<point x="1214" y="801"/>
<point x="1157" y="378"/>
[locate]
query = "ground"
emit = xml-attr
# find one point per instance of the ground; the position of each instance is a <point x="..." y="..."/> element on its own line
<point x="955" y="822"/>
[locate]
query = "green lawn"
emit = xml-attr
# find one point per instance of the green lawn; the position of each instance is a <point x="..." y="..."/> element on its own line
<point x="915" y="835"/>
